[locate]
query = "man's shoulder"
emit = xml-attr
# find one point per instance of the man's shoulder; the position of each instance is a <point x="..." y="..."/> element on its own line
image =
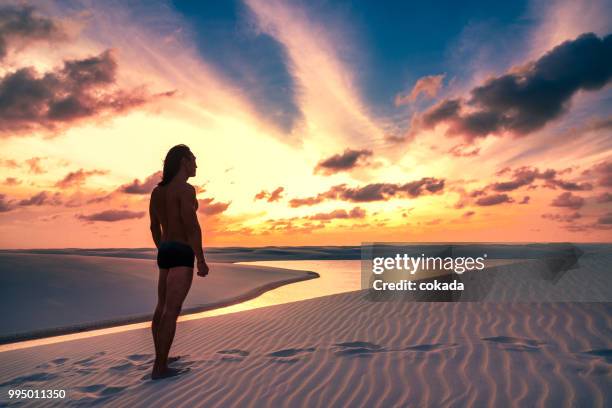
<point x="187" y="188"/>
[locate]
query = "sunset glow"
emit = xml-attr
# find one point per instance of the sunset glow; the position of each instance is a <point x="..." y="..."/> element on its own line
<point x="309" y="128"/>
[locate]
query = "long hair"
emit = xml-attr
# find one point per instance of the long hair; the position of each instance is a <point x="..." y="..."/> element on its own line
<point x="172" y="162"/>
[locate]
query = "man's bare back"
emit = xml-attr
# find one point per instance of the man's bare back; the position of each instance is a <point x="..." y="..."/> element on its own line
<point x="167" y="202"/>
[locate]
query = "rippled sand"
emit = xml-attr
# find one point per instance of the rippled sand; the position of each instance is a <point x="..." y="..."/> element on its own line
<point x="343" y="350"/>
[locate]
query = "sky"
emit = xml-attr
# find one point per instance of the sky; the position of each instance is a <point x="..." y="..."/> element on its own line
<point x="313" y="122"/>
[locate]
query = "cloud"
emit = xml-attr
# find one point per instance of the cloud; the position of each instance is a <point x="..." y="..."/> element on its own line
<point x="348" y="160"/>
<point x="275" y="195"/>
<point x="206" y="206"/>
<point x="11" y="181"/>
<point x="503" y="171"/>
<point x="468" y="214"/>
<point x="604" y="171"/>
<point x="440" y="112"/>
<point x="526" y="176"/>
<point x="427" y="86"/>
<point x="604" y="198"/>
<point x="570" y="185"/>
<point x="587" y="228"/>
<point x="77" y="178"/>
<point x="81" y="89"/>
<point x="494" y="199"/>
<point x="525" y="100"/>
<point x="525" y="200"/>
<point x="42" y="198"/>
<point x="145" y="187"/>
<point x="605" y="219"/>
<point x="112" y="216"/>
<point x="356" y="212"/>
<point x="9" y="163"/>
<point x="375" y="192"/>
<point x="5" y="204"/>
<point x="568" y="200"/>
<point x="562" y="217"/>
<point x="292" y="225"/>
<point x="435" y="221"/>
<point x="462" y="150"/>
<point x="19" y="25"/>
<point x="34" y="164"/>
<point x="523" y="176"/>
<point x="317" y="58"/>
<point x="299" y="202"/>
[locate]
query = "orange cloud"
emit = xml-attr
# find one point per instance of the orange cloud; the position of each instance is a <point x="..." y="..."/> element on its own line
<point x="345" y="161"/>
<point x="375" y="192"/>
<point x="568" y="200"/>
<point x="11" y="181"/>
<point x="144" y="187"/>
<point x="428" y="86"/>
<point x="111" y="216"/>
<point x="79" y="90"/>
<point x="275" y="195"/>
<point x="356" y="212"/>
<point x="77" y="178"/>
<point x="206" y="206"/>
<point x="21" y="27"/>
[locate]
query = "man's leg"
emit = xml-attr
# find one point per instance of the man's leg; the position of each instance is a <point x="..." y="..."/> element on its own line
<point x="178" y="282"/>
<point x="159" y="309"/>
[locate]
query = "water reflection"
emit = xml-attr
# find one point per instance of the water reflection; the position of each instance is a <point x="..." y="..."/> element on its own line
<point x="336" y="276"/>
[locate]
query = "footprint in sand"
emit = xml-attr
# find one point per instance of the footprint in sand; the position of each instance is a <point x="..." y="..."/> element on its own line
<point x="289" y="355"/>
<point x="89" y="361"/>
<point x="171" y="359"/>
<point x="515" y="343"/>
<point x="366" y="349"/>
<point x="32" y="378"/>
<point x="430" y="347"/>
<point x="123" y="366"/>
<point x="176" y="373"/>
<point x="56" y="362"/>
<point x="86" y="362"/>
<point x="73" y="371"/>
<point x="181" y="363"/>
<point x="91" y="388"/>
<point x="233" y="354"/>
<point x="94" y="393"/>
<point x="358" y="348"/>
<point x="141" y="362"/>
<point x="605" y="354"/>
<point x="139" y="357"/>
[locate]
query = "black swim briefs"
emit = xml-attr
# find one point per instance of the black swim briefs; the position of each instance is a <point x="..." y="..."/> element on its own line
<point x="173" y="253"/>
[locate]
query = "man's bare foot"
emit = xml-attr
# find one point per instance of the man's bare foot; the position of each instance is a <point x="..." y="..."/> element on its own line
<point x="173" y="359"/>
<point x="168" y="372"/>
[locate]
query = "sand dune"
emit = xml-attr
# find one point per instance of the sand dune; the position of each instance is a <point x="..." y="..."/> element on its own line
<point x="54" y="294"/>
<point x="340" y="351"/>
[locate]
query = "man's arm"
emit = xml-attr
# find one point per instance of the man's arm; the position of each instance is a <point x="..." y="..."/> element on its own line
<point x="190" y="220"/>
<point x="155" y="224"/>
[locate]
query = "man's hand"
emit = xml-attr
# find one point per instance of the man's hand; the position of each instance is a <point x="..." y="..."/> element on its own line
<point x="202" y="268"/>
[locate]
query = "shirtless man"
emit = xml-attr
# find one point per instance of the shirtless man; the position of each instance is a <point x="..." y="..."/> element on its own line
<point x="178" y="238"/>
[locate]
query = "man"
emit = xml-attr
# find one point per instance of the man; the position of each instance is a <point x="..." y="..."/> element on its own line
<point x="178" y="238"/>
